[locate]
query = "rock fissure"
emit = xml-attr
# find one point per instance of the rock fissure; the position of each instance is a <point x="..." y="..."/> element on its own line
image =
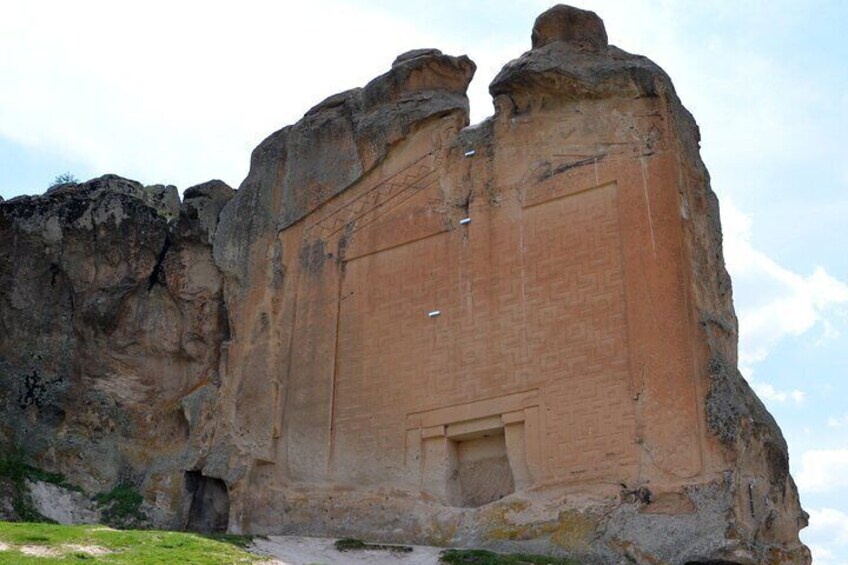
<point x="158" y="273"/>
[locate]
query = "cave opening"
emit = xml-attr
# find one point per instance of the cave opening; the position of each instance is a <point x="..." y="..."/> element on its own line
<point x="209" y="511"/>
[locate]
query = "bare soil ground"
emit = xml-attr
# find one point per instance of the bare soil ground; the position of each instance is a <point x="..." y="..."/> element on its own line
<point x="296" y="550"/>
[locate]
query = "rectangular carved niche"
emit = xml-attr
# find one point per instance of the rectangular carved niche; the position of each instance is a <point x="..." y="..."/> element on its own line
<point x="476" y="453"/>
<point x="481" y="471"/>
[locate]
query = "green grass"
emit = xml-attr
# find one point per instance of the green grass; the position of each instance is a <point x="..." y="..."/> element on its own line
<point x="126" y="547"/>
<point x="483" y="557"/>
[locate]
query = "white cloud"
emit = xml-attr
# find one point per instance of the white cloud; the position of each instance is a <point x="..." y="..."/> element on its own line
<point x="822" y="555"/>
<point x="768" y="392"/>
<point x="827" y="535"/>
<point x="837" y="421"/>
<point x="772" y="301"/>
<point x="832" y="521"/>
<point x="823" y="470"/>
<point x="180" y="92"/>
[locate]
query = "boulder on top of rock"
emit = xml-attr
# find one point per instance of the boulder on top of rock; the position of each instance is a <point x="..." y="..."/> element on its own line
<point x="582" y="29"/>
<point x="414" y="54"/>
<point x="571" y="60"/>
<point x="201" y="207"/>
<point x="164" y="198"/>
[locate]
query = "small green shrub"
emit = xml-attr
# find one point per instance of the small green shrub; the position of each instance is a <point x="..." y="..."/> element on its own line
<point x="64" y="178"/>
<point x="58" y="479"/>
<point x="15" y="471"/>
<point x="351" y="544"/>
<point x="121" y="507"/>
<point x="12" y="465"/>
<point x="238" y="540"/>
<point x="483" y="557"/>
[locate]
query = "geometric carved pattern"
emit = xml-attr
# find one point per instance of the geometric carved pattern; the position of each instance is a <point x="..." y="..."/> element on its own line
<point x="385" y="347"/>
<point x="577" y="332"/>
<point x="539" y="304"/>
<point x="413" y="177"/>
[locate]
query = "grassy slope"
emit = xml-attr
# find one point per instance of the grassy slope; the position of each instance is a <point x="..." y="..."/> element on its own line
<point x="151" y="547"/>
<point x="126" y="546"/>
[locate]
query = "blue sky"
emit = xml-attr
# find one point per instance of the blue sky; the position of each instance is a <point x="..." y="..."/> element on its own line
<point x="181" y="92"/>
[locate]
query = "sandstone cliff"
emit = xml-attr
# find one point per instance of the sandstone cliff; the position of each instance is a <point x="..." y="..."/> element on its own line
<point x="518" y="334"/>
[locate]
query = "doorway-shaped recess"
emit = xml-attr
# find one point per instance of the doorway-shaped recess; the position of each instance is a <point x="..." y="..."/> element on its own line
<point x="210" y="503"/>
<point x="482" y="473"/>
<point x="470" y="455"/>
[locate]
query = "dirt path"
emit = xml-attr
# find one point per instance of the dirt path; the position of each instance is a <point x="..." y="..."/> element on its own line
<point x="296" y="550"/>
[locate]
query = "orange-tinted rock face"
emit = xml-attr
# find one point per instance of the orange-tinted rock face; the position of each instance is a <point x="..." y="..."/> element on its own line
<point x="514" y="335"/>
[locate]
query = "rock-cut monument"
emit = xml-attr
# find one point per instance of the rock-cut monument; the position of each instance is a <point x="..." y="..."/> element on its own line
<point x="516" y="335"/>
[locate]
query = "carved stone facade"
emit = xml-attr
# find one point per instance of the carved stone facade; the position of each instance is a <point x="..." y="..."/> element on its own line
<point x="514" y="335"/>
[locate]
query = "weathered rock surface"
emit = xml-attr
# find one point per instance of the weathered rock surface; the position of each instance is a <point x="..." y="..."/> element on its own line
<point x="517" y="335"/>
<point x="111" y="313"/>
<point x="337" y="142"/>
<point x="61" y="504"/>
<point x="580" y="29"/>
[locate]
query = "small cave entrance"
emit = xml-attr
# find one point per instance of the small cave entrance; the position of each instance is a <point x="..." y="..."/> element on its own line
<point x="482" y="473"/>
<point x="209" y="511"/>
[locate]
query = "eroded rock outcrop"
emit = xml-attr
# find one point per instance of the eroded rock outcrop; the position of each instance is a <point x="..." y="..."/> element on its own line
<point x="518" y="334"/>
<point x="111" y="313"/>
